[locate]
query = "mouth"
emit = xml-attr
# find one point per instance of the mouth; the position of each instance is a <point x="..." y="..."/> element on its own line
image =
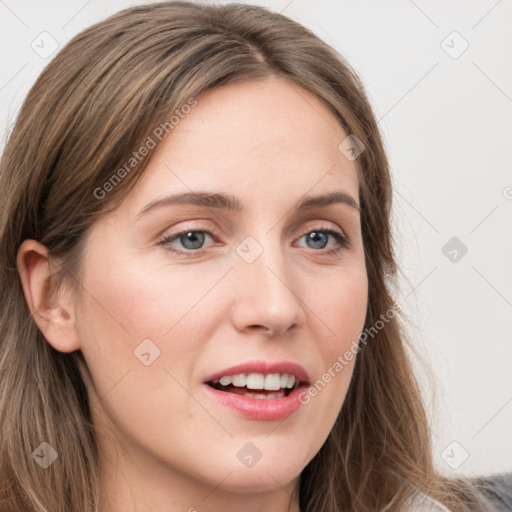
<point x="257" y="385"/>
<point x="259" y="390"/>
<point x="260" y="379"/>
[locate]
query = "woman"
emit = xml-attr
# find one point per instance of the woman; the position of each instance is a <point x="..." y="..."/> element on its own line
<point x="196" y="269"/>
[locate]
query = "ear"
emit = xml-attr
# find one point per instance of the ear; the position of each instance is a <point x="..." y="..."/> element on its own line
<point x="52" y="308"/>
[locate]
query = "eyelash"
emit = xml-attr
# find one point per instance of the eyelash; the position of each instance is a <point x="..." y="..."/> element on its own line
<point x="343" y="240"/>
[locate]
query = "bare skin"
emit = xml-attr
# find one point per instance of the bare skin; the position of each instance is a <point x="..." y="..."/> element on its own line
<point x="166" y="445"/>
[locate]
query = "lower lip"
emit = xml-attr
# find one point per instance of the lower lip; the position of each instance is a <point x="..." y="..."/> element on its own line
<point x="263" y="409"/>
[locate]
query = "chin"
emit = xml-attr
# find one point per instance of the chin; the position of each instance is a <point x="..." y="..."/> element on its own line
<point x="259" y="479"/>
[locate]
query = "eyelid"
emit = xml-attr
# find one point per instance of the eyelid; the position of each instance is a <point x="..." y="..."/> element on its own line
<point x="342" y="239"/>
<point x="166" y="239"/>
<point x="322" y="227"/>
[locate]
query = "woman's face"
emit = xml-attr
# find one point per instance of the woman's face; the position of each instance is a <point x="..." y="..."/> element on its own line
<point x="263" y="289"/>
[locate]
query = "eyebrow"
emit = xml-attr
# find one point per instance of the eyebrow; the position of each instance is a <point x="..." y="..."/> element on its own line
<point x="221" y="201"/>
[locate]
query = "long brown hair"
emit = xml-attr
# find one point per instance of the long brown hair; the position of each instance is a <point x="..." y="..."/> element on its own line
<point x="97" y="102"/>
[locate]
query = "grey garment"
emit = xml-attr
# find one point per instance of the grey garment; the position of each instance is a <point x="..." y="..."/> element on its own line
<point x="497" y="489"/>
<point x="424" y="503"/>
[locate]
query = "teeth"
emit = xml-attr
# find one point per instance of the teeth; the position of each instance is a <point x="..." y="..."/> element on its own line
<point x="280" y="394"/>
<point x="226" y="381"/>
<point x="255" y="381"/>
<point x="270" y="382"/>
<point x="239" y="380"/>
<point x="261" y="396"/>
<point x="275" y="395"/>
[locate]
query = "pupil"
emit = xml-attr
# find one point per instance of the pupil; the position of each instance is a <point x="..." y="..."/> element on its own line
<point x="314" y="236"/>
<point x="192" y="240"/>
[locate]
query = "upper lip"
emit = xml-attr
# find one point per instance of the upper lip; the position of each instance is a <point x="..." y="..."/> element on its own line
<point x="264" y="367"/>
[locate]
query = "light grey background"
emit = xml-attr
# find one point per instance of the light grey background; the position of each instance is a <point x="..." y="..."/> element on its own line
<point x="446" y="119"/>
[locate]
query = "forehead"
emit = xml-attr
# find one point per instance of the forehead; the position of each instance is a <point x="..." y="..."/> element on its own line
<point x="260" y="140"/>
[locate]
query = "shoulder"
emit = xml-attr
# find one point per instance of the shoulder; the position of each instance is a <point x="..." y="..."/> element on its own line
<point x="424" y="503"/>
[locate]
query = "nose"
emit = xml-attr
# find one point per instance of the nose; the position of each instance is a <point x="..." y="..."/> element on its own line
<point x="266" y="296"/>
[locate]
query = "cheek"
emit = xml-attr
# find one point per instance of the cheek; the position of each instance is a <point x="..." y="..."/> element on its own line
<point x="131" y="317"/>
<point x="131" y="301"/>
<point x="343" y="311"/>
<point x="125" y="305"/>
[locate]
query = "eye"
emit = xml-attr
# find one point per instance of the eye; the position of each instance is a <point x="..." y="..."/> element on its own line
<point x="191" y="240"/>
<point x="318" y="239"/>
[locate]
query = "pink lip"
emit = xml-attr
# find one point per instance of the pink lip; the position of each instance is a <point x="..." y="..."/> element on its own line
<point x="263" y="367"/>
<point x="265" y="409"/>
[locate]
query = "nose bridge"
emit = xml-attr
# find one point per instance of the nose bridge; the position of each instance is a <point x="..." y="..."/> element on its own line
<point x="266" y="291"/>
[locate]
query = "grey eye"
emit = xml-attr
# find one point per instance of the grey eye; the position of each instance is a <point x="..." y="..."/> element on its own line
<point x="192" y="239"/>
<point x="318" y="239"/>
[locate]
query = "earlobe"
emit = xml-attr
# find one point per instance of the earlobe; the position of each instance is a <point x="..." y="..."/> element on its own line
<point x="52" y="308"/>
